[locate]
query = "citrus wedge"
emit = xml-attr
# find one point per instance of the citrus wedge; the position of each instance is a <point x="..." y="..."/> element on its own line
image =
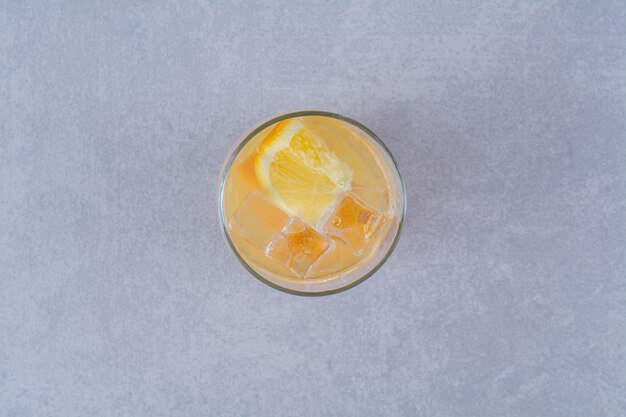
<point x="299" y="173"/>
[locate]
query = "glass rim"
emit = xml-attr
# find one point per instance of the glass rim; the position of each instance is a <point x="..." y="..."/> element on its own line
<point x="251" y="134"/>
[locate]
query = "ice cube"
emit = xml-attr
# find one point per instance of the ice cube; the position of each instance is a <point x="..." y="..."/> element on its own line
<point x="298" y="247"/>
<point x="257" y="220"/>
<point x="353" y="222"/>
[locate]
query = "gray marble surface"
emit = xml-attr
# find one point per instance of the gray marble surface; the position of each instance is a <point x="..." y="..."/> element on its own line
<point x="506" y="295"/>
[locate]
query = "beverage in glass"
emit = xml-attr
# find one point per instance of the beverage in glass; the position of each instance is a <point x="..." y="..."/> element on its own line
<point x="311" y="202"/>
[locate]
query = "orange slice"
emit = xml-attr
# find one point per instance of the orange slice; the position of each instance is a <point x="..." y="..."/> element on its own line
<point x="299" y="173"/>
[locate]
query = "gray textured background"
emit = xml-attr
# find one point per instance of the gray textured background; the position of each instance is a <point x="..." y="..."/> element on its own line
<point x="505" y="297"/>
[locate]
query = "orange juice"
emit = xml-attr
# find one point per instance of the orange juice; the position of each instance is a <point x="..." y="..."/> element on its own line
<point x="311" y="202"/>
